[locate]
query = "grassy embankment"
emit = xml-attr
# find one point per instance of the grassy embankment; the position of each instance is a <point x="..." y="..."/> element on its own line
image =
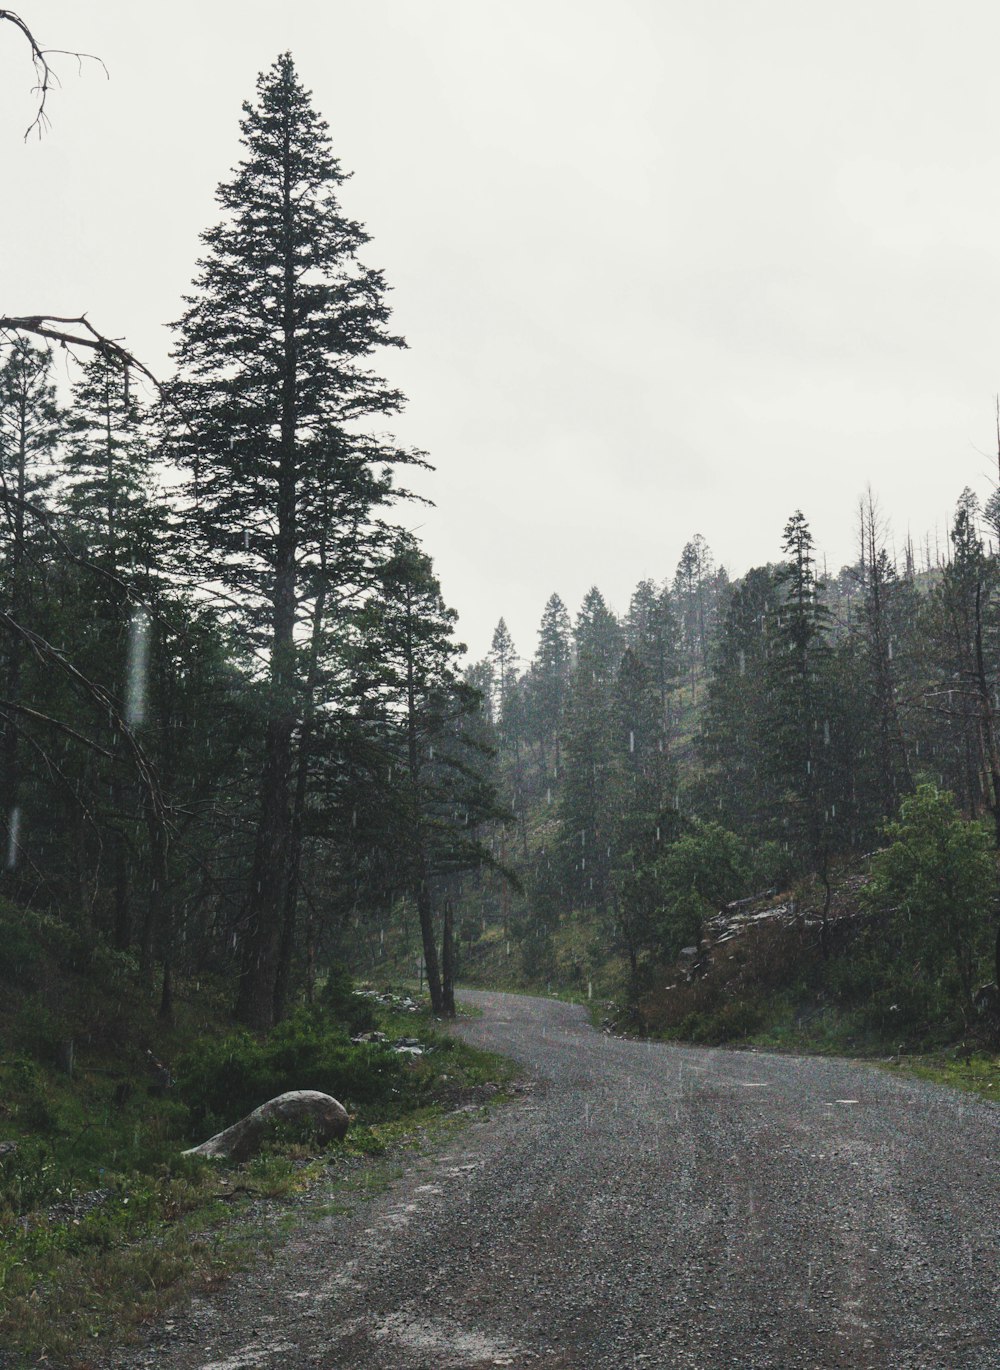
<point x="103" y="1222"/>
<point x="769" y="985"/>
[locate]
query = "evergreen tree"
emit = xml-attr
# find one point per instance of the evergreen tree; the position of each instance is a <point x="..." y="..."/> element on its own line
<point x="693" y="595"/>
<point x="651" y="632"/>
<point x="504" y="659"/>
<point x="598" y="638"/>
<point x="801" y="726"/>
<point x="409" y="649"/>
<point x="964" y="690"/>
<point x="735" y="742"/>
<point x="549" y="679"/>
<point x="107" y="495"/>
<point x="272" y="352"/>
<point x="30" y="425"/>
<point x="884" y="602"/>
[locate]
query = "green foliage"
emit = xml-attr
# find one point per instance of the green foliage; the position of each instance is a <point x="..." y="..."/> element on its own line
<point x="936" y="886"/>
<point x="680" y="922"/>
<point x="339" y="1002"/>
<point x="709" y="860"/>
<point x="221" y="1081"/>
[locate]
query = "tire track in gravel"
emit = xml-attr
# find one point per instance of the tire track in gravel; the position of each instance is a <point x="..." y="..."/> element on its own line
<point x="648" y="1206"/>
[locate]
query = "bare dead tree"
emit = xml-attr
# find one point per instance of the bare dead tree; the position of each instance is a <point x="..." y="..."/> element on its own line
<point x="45" y="76"/>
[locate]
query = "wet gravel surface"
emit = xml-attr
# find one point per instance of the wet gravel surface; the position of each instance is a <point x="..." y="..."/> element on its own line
<point x="645" y="1206"/>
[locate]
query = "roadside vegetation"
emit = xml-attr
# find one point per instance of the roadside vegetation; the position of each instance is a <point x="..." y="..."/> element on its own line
<point x="103" y="1221"/>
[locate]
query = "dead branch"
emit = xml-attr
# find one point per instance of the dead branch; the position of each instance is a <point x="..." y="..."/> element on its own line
<point x="99" y="696"/>
<point x="45" y="77"/>
<point x="55" y="769"/>
<point x="57" y="328"/>
<point x="58" y="725"/>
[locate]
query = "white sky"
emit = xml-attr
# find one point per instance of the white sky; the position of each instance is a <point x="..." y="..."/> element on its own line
<point x="665" y="267"/>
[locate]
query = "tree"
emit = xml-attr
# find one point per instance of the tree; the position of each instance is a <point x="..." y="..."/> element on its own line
<point x="107" y="493"/>
<point x="598" y="637"/>
<point x="693" y="597"/>
<point x="549" y="679"/>
<point x="651" y="632"/>
<point x="271" y="351"/>
<point x="936" y="881"/>
<point x="30" y="424"/>
<point x="735" y="741"/>
<point x="800" y="725"/>
<point x="409" y="655"/>
<point x="504" y="659"/>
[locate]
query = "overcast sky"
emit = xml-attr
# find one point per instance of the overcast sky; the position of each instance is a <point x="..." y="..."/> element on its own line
<point x="664" y="267"/>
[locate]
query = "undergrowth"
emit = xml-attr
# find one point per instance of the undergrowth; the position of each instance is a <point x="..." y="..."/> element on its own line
<point x="103" y="1222"/>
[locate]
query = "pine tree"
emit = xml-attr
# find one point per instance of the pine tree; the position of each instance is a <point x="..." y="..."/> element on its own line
<point x="598" y="637"/>
<point x="107" y="495"/>
<point x="30" y="425"/>
<point x="652" y="633"/>
<point x="965" y="689"/>
<point x="408" y="654"/>
<point x="693" y="596"/>
<point x="735" y="741"/>
<point x="882" y="594"/>
<point x="272" y="353"/>
<point x="504" y="659"/>
<point x="549" y="679"/>
<point x="800" y="728"/>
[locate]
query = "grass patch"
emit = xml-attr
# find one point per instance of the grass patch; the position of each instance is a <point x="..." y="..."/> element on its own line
<point x="978" y="1073"/>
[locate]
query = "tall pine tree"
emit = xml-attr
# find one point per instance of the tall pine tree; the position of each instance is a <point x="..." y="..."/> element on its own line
<point x="272" y="354"/>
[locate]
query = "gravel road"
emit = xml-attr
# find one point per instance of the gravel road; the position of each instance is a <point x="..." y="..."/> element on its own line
<point x="646" y="1206"/>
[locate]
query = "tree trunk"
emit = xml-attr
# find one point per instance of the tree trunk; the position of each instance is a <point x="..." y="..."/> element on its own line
<point x="448" y="962"/>
<point x="266" y="897"/>
<point x="425" y="913"/>
<point x="282" y="983"/>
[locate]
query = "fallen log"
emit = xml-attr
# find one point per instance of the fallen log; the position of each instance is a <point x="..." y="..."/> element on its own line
<point x="324" y="1116"/>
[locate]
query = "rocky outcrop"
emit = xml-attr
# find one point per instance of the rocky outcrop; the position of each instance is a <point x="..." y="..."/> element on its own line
<point x="320" y="1112"/>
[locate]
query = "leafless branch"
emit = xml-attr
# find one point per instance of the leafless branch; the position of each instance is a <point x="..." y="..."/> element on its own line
<point x="77" y="332"/>
<point x="56" y="723"/>
<point x="99" y="696"/>
<point x="54" y="768"/>
<point x="45" y="77"/>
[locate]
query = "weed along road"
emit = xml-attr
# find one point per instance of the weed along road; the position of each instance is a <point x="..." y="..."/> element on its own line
<point x="646" y="1205"/>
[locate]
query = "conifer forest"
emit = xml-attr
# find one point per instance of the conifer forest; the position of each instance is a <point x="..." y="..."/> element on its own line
<point x="238" y="733"/>
<point x="258" y="802"/>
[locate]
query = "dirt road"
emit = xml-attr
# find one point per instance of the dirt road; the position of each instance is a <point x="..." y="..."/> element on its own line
<point x="647" y="1206"/>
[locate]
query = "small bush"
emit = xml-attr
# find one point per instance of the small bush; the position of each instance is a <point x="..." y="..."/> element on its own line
<point x="339" y="1002"/>
<point x="222" y="1081"/>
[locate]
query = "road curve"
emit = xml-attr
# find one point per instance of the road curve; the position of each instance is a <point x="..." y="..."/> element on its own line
<point x="647" y="1206"/>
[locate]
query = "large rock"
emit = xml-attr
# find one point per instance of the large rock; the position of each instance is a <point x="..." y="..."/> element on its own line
<point x="327" y="1118"/>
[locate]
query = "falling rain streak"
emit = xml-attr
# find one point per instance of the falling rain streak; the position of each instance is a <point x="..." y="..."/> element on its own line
<point x="13" y="838"/>
<point x="137" y="668"/>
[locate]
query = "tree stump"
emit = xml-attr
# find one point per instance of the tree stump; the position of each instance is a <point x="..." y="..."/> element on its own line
<point x="321" y="1112"/>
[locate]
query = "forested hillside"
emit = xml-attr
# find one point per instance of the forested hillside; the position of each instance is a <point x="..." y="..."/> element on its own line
<point x="237" y="734"/>
<point x="725" y="739"/>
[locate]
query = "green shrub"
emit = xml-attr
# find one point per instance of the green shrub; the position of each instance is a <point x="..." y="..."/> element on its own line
<point x="29" y="1178"/>
<point x="935" y="887"/>
<point x="338" y="1000"/>
<point x="221" y="1081"/>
